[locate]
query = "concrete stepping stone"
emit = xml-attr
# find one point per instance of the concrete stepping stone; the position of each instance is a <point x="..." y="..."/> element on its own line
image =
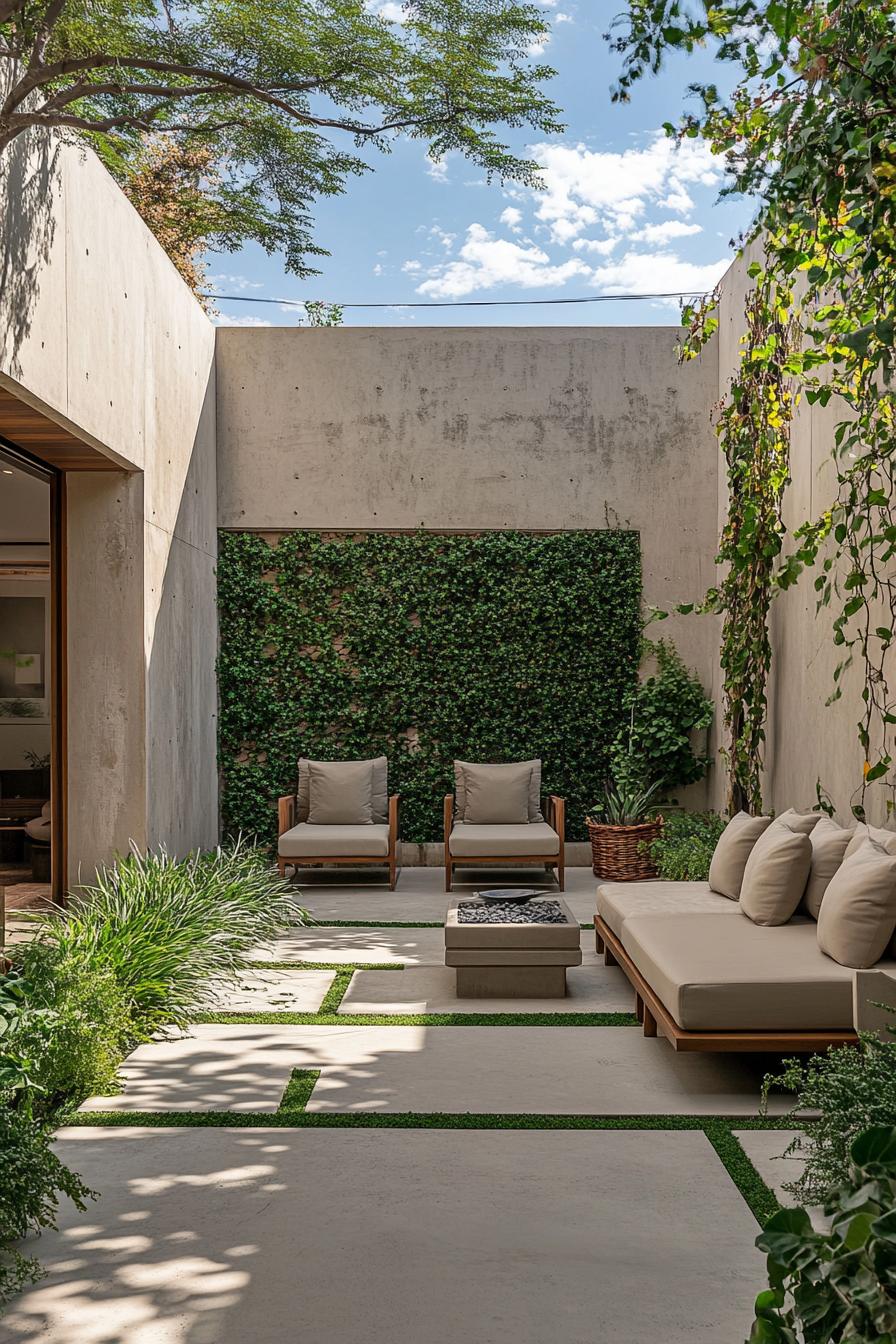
<point x="542" y="1070"/>
<point x="394" y="1237"/>
<point x="431" y="989"/>
<point x="765" y="1149"/>
<point x="275" y="991"/>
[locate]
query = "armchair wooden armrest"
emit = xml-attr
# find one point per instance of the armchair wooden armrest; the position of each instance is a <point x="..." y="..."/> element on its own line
<point x="449" y="824"/>
<point x="394" y="799"/>
<point x="286" y="813"/>
<point x="555" y="813"/>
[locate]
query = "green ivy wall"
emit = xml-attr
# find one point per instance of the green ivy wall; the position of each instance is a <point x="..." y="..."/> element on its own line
<point x="422" y="647"/>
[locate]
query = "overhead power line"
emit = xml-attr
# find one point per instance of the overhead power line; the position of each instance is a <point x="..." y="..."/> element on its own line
<point x="463" y="303"/>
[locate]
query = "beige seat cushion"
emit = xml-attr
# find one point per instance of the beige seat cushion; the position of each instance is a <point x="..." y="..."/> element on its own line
<point x="726" y="869"/>
<point x="340" y="793"/>
<point x="776" y="874"/>
<point x="460" y="789"/>
<point x="617" y="900"/>
<point x="858" y="913"/>
<point x="829" y="842"/>
<point x="886" y="839"/>
<point x="334" y="841"/>
<point x="717" y="974"/>
<point x="497" y="795"/>
<point x="379" y="801"/>
<point x="534" y="837"/>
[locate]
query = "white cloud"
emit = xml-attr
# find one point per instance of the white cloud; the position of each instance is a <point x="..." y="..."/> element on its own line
<point x="511" y="218"/>
<point x="560" y="17"/>
<point x="228" y="320"/>
<point x="387" y="9"/>
<point x="485" y="261"/>
<point x="584" y="187"/>
<point x="234" y="281"/>
<point x="664" y="230"/>
<point x="378" y="268"/>
<point x="442" y="236"/>
<point x="602" y="246"/>
<point x="658" y="273"/>
<point x="538" y="45"/>
<point x="437" y="169"/>
<point x="411" y="267"/>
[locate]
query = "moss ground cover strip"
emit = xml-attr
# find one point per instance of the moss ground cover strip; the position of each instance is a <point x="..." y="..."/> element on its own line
<point x="331" y="1018"/>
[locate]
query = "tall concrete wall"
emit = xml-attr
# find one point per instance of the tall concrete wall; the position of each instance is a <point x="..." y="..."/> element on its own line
<point x="98" y="332"/>
<point x="807" y="740"/>
<point x="478" y="428"/>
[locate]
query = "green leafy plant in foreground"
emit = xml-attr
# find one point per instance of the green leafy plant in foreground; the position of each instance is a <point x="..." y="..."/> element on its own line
<point x="33" y="1181"/>
<point x="683" y="850"/>
<point x="838" y="1286"/>
<point x="171" y="931"/>
<point x="665" y="710"/>
<point x="851" y="1088"/>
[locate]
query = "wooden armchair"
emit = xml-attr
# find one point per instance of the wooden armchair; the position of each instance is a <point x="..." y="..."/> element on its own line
<point x="303" y="845"/>
<point x="532" y="842"/>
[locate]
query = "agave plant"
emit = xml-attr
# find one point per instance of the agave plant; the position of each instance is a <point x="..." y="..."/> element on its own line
<point x="172" y="931"/>
<point x="624" y="803"/>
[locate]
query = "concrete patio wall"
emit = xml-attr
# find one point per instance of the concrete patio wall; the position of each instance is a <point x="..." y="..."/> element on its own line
<point x="99" y="333"/>
<point x="807" y="740"/>
<point x="479" y="428"/>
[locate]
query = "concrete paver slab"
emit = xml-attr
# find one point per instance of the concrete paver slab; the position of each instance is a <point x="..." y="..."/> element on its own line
<point x="394" y="1237"/>
<point x="431" y="989"/>
<point x="275" y="991"/>
<point x="420" y="894"/>
<point x="766" y="1149"/>
<point x="545" y="1070"/>
<point x="410" y="947"/>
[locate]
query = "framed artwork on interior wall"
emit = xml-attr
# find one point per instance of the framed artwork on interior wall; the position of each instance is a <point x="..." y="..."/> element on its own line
<point x="24" y="644"/>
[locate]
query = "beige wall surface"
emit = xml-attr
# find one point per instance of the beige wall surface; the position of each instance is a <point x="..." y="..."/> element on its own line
<point x="807" y="739"/>
<point x="478" y="428"/>
<point x="98" y="332"/>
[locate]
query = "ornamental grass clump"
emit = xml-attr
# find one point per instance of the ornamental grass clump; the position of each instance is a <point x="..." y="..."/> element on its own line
<point x="171" y="931"/>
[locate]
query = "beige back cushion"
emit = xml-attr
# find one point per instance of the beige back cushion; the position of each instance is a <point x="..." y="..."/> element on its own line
<point x="726" y="869"/>
<point x="775" y="874"/>
<point x="829" y="843"/>
<point x="858" y="913"/>
<point x="886" y="839"/>
<point x="804" y="822"/>
<point x="380" y="799"/>
<point x="340" y="793"/>
<point x="497" y="795"/>
<point x="460" y="789"/>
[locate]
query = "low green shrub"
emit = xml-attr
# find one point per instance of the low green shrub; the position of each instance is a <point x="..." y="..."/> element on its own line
<point x="826" y="1287"/>
<point x="664" y="712"/>
<point x="851" y="1088"/>
<point x="169" y="930"/>
<point x="33" y="1181"/>
<point x="683" y="850"/>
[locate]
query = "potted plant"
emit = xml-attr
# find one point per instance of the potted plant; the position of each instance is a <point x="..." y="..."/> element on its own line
<point x="621" y="826"/>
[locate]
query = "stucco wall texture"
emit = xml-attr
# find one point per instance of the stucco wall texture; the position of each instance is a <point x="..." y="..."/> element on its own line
<point x="98" y="331"/>
<point x="477" y="428"/>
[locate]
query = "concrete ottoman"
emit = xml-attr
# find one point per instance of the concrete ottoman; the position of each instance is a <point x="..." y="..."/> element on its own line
<point x="511" y="951"/>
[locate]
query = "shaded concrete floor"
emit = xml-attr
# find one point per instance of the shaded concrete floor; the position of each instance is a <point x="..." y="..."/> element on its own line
<point x="410" y="947"/>
<point x="420" y="894"/>
<point x="275" y="991"/>
<point x="432" y="989"/>
<point x="395" y="1237"/>
<point x="545" y="1070"/>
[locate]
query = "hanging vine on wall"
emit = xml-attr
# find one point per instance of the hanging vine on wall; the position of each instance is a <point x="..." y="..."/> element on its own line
<point x="423" y="647"/>
<point x="753" y="426"/>
<point x="806" y="129"/>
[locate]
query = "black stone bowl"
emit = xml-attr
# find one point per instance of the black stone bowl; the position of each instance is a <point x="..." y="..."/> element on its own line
<point x="510" y="895"/>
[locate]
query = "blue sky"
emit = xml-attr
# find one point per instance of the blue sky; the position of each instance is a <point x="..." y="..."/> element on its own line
<point x="621" y="212"/>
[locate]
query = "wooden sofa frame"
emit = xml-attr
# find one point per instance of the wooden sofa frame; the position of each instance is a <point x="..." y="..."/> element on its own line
<point x="286" y="819"/>
<point x="656" y="1018"/>
<point x="554" y="809"/>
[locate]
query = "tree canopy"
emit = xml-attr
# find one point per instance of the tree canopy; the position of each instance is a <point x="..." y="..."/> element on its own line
<point x="258" y="107"/>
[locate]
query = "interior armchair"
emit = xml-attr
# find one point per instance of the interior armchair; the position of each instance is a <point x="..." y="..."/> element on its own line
<point x="496" y="815"/>
<point x="341" y="813"/>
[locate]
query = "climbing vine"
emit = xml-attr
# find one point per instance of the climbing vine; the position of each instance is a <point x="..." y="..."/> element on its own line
<point x="423" y="647"/>
<point x="807" y="130"/>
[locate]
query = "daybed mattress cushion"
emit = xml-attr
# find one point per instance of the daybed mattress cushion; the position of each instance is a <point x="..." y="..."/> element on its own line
<point x="716" y="975"/>
<point x="617" y="900"/>
<point x="338" y="842"/>
<point x="533" y="837"/>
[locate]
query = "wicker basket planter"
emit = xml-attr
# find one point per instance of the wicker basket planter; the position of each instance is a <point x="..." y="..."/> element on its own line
<point x="616" y="850"/>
